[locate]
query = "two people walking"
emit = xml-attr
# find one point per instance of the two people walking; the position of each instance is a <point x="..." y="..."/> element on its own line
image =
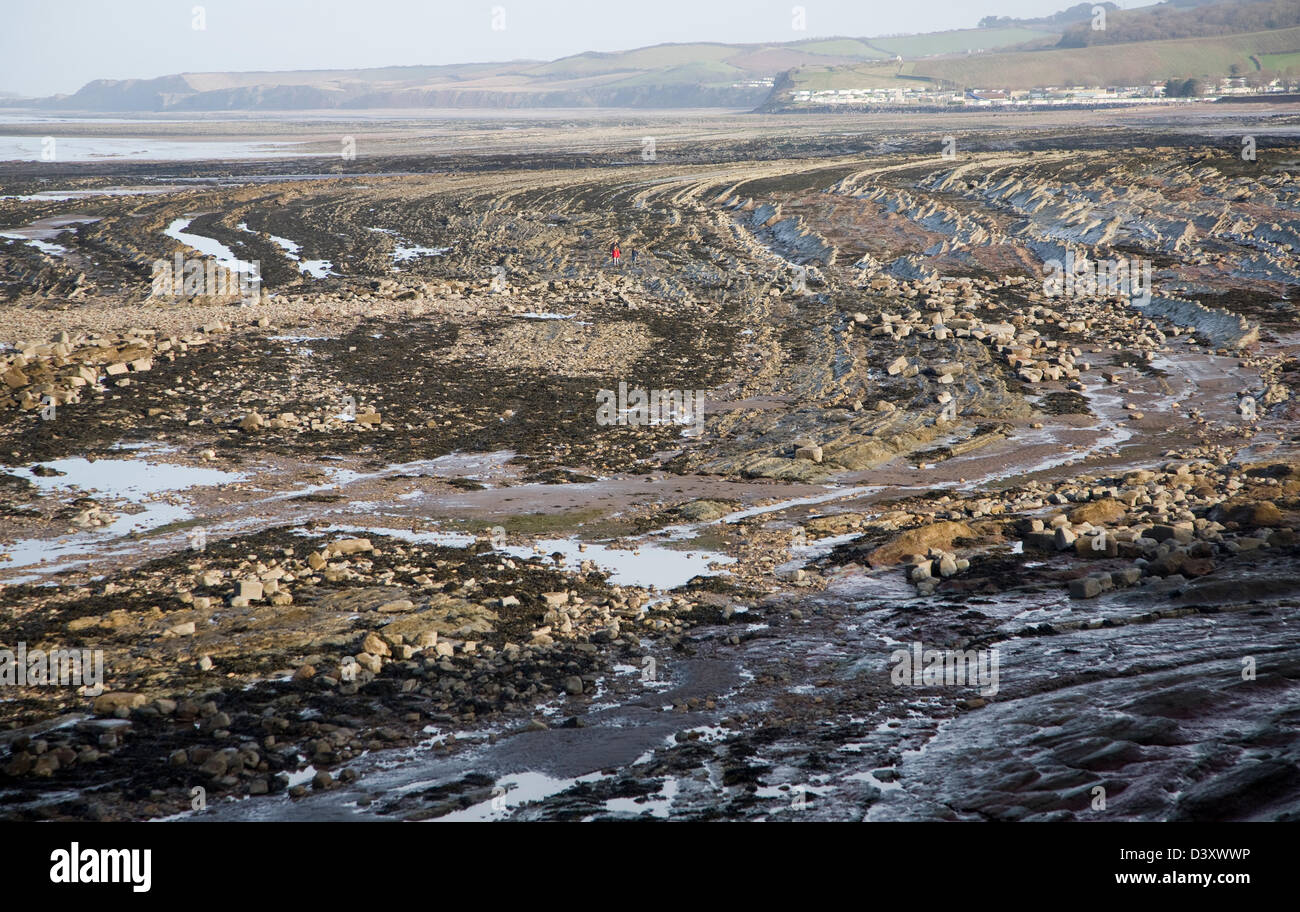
<point x="616" y="255"/>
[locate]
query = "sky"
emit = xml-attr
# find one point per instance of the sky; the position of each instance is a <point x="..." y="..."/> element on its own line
<point x="57" y="46"/>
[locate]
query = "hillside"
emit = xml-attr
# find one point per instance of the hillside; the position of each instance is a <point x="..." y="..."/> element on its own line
<point x="1106" y="65"/>
<point x="1115" y="64"/>
<point x="1178" y="39"/>
<point x="704" y="74"/>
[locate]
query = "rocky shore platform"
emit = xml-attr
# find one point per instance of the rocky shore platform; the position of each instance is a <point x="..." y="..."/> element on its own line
<point x="362" y="545"/>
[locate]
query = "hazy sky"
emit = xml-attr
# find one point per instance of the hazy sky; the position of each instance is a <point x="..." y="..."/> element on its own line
<point x="49" y="46"/>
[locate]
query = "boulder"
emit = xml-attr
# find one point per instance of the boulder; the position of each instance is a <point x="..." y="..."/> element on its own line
<point x="351" y="546"/>
<point x="1098" y="512"/>
<point x="1252" y="514"/>
<point x="1085" y="587"/>
<point x="706" y="510"/>
<point x="940" y="535"/>
<point x="108" y="704"/>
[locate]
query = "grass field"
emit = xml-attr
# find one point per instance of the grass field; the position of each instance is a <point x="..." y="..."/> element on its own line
<point x="879" y="76"/>
<point x="1280" y="61"/>
<point x="955" y="42"/>
<point x="841" y="47"/>
<point x="711" y="72"/>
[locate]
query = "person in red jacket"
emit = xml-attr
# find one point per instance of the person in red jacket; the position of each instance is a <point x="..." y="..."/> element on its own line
<point x="615" y="254"/>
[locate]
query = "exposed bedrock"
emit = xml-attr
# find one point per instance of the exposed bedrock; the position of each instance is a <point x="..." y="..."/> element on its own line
<point x="1220" y="327"/>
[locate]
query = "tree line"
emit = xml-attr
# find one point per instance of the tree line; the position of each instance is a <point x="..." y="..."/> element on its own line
<point x="1169" y="20"/>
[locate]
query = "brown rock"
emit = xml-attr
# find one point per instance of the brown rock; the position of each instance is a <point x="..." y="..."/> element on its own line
<point x="375" y="646"/>
<point x="1196" y="566"/>
<point x="1253" y="514"/>
<point x="919" y="541"/>
<point x="1168" y="565"/>
<point x="351" y="546"/>
<point x="108" y="704"/>
<point x="1098" y="512"/>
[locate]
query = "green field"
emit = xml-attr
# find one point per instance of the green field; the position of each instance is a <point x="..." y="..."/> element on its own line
<point x="880" y="76"/>
<point x="1281" y="62"/>
<point x="955" y="42"/>
<point x="708" y="73"/>
<point x="658" y="57"/>
<point x="840" y="47"/>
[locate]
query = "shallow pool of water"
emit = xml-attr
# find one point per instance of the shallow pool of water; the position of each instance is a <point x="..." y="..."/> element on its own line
<point x="207" y="246"/>
<point x="141" y="482"/>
